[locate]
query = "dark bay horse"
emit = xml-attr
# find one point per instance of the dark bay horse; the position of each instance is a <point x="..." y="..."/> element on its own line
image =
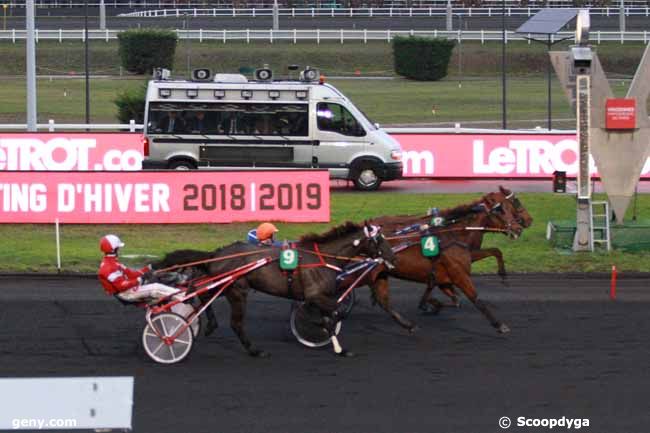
<point x="452" y="267"/>
<point x="314" y="281"/>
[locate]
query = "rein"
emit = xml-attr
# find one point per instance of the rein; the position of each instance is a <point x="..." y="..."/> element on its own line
<point x="469" y="228"/>
<point x="250" y="253"/>
<point x="212" y="260"/>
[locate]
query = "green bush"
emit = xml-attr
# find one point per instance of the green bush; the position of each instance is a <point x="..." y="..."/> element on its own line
<point x="142" y="50"/>
<point x="424" y="59"/>
<point x="130" y="104"/>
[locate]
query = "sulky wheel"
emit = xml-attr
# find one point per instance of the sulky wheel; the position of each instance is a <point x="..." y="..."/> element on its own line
<point x="307" y="328"/>
<point x="186" y="310"/>
<point x="167" y="351"/>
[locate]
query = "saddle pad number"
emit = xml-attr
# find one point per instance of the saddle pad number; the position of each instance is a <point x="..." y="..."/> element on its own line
<point x="430" y="246"/>
<point x="288" y="260"/>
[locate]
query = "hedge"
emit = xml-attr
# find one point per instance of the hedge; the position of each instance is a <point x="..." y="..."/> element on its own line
<point x="142" y="50"/>
<point x="130" y="104"/>
<point x="424" y="59"/>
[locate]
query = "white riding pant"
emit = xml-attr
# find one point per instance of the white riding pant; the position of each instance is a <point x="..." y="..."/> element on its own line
<point x="148" y="291"/>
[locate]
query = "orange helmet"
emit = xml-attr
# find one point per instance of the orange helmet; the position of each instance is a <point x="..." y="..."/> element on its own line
<point x="109" y="243"/>
<point x="265" y="231"/>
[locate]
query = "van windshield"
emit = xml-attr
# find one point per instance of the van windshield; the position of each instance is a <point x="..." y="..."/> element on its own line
<point x="228" y="118"/>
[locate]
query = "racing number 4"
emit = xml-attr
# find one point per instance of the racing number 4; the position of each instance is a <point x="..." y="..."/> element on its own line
<point x="430" y="246"/>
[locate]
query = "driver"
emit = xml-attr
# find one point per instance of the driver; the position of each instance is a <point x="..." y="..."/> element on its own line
<point x="128" y="284"/>
<point x="266" y="234"/>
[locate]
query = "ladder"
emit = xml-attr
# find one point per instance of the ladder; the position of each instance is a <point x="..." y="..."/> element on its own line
<point x="599" y="224"/>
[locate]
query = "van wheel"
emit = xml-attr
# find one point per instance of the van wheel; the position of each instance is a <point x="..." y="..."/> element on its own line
<point x="182" y="164"/>
<point x="366" y="177"/>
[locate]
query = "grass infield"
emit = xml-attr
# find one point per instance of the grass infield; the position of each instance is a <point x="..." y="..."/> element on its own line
<point x="32" y="248"/>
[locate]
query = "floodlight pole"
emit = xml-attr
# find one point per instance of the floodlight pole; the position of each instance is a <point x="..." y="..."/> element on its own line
<point x="548" y="79"/>
<point x="276" y="15"/>
<point x="503" y="65"/>
<point x="31" y="66"/>
<point x="86" y="62"/>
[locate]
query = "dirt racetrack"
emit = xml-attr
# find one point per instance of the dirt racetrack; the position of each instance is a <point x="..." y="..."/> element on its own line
<point x="572" y="352"/>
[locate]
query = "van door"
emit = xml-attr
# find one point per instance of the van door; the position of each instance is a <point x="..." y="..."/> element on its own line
<point x="341" y="136"/>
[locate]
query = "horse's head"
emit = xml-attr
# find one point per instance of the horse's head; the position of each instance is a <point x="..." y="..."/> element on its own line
<point x="501" y="215"/>
<point x="507" y="197"/>
<point x="374" y="245"/>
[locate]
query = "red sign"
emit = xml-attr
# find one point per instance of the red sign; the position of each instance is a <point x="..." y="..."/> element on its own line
<point x="498" y="156"/>
<point x="620" y="113"/>
<point x="71" y="151"/>
<point x="164" y="197"/>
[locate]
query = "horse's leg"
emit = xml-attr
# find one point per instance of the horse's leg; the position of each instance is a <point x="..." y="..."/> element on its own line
<point x="498" y="255"/>
<point x="237" y="297"/>
<point x="429" y="304"/>
<point x="328" y="308"/>
<point x="458" y="271"/>
<point x="212" y="324"/>
<point x="380" y="290"/>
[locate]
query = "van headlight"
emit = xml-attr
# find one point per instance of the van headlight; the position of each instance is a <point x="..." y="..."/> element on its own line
<point x="396" y="155"/>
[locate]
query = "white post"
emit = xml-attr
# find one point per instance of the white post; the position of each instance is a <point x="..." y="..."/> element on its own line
<point x="621" y="17"/>
<point x="276" y="15"/>
<point x="31" y="66"/>
<point x="58" y="246"/>
<point x="102" y="15"/>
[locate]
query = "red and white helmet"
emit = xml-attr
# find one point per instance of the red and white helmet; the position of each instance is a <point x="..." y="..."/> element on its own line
<point x="110" y="243"/>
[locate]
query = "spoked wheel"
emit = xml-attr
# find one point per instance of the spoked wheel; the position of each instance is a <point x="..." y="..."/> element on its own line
<point x="162" y="350"/>
<point x="186" y="310"/>
<point x="307" y="328"/>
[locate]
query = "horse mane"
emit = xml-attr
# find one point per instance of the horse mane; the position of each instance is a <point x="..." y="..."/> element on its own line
<point x="180" y="257"/>
<point x="461" y="210"/>
<point x="334" y="233"/>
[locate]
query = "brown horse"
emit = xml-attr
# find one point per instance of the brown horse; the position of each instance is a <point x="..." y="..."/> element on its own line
<point x="472" y="238"/>
<point x="452" y="267"/>
<point x="321" y="257"/>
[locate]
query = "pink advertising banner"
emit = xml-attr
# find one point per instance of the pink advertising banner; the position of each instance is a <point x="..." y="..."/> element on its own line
<point x="164" y="197"/>
<point x="492" y="155"/>
<point x="71" y="151"/>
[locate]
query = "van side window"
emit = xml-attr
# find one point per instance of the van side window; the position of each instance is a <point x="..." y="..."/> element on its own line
<point x="283" y="119"/>
<point x="336" y="118"/>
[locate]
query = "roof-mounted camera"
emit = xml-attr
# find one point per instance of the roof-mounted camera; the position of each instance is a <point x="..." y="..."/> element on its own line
<point x="160" y="74"/>
<point x="310" y="74"/>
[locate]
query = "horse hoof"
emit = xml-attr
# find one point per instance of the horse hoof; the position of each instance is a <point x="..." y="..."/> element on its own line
<point x="346" y="354"/>
<point x="503" y="328"/>
<point x="431" y="310"/>
<point x="413" y="329"/>
<point x="210" y="328"/>
<point x="259" y="354"/>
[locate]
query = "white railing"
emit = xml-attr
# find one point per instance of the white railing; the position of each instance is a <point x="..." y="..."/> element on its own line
<point x="322" y="35"/>
<point x="52" y="126"/>
<point x="366" y="12"/>
<point x="132" y="4"/>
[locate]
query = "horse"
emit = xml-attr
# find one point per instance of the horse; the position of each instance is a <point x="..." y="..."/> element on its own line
<point x="453" y="264"/>
<point x="472" y="238"/>
<point x="314" y="281"/>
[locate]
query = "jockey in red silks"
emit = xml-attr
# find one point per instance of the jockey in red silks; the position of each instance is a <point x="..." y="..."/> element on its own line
<point x="129" y="285"/>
